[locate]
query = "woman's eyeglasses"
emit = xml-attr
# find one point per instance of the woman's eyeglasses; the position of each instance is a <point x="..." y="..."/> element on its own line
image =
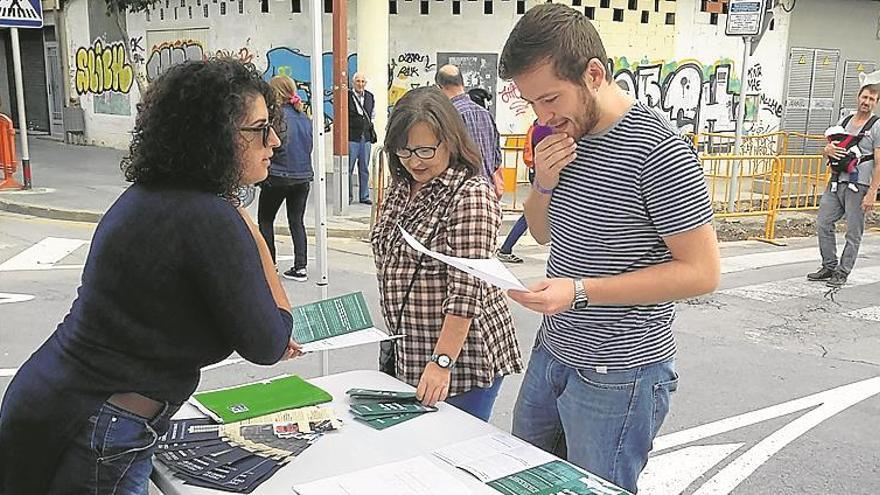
<point x="265" y="129"/>
<point x="423" y="152"/>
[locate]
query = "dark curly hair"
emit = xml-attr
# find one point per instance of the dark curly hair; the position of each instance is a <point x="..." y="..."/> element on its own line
<point x="187" y="128"/>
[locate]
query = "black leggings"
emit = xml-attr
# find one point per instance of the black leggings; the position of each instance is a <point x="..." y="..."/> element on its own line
<point x="270" y="201"/>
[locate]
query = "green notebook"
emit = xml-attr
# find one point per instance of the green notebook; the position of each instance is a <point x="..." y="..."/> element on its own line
<point x="257" y="399"/>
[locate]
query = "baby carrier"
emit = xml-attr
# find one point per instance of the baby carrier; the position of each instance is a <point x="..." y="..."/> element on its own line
<point x="850" y="160"/>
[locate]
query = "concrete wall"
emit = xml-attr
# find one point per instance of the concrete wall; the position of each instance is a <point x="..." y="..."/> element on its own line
<point x="667" y="53"/>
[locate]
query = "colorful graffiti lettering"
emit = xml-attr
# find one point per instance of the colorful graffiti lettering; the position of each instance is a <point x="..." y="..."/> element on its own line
<point x="243" y="54"/>
<point x="170" y="53"/>
<point x="292" y="63"/>
<point x="696" y="97"/>
<point x="409" y="71"/>
<point x="101" y="68"/>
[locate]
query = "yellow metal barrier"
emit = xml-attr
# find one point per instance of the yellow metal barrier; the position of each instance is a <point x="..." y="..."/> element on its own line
<point x="757" y="187"/>
<point x="758" y="144"/>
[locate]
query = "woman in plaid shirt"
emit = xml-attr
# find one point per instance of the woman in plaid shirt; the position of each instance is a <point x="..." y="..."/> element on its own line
<point x="460" y="340"/>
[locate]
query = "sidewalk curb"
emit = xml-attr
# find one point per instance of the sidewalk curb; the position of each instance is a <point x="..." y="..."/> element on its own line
<point x="94" y="217"/>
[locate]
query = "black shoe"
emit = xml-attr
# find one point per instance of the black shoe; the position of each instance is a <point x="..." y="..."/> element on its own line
<point x="824" y="273"/>
<point x="366" y="202"/>
<point x="298" y="274"/>
<point x="837" y="280"/>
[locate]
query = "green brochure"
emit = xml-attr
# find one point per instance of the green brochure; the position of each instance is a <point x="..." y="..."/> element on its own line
<point x="555" y="478"/>
<point x="331" y="317"/>
<point x="382" y="422"/>
<point x="365" y="393"/>
<point x="389" y="409"/>
<point x="257" y="399"/>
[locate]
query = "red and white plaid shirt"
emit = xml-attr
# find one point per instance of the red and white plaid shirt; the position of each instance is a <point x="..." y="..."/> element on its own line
<point x="466" y="229"/>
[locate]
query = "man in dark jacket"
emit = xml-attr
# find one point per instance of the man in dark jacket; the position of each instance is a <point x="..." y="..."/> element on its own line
<point x="361" y="110"/>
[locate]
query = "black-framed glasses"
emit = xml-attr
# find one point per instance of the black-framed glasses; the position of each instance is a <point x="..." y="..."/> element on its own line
<point x="423" y="152"/>
<point x="265" y="129"/>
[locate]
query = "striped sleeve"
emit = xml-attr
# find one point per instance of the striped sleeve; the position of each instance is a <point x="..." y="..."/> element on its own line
<point x="674" y="189"/>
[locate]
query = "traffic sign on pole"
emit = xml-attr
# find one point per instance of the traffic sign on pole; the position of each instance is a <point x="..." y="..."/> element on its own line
<point x="745" y="17"/>
<point x="21" y="14"/>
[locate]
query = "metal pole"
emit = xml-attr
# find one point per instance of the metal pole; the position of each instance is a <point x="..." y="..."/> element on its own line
<point x="22" y="118"/>
<point x="340" y="104"/>
<point x="740" y="119"/>
<point x="320" y="196"/>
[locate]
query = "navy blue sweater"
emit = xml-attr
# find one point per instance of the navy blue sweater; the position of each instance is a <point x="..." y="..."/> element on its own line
<point x="172" y="283"/>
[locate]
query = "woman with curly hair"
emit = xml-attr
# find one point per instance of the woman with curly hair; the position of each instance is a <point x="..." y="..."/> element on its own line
<point x="289" y="178"/>
<point x="459" y="338"/>
<point x="177" y="278"/>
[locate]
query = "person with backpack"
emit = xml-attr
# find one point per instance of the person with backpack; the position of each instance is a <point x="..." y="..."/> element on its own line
<point x="844" y="202"/>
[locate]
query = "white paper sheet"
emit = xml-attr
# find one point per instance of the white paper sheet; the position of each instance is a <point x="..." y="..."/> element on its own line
<point x="489" y="270"/>
<point x="493" y="456"/>
<point x="417" y="476"/>
<point x="366" y="336"/>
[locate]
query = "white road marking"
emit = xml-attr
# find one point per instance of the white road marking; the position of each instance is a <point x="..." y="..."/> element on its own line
<point x="7" y="372"/>
<point x="792" y="288"/>
<point x="44" y="255"/>
<point x="6" y="297"/>
<point x="675" y="471"/>
<point x="830" y="402"/>
<point x="871" y="313"/>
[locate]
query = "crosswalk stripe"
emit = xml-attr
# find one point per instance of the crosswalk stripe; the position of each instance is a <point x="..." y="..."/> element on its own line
<point x="871" y="313"/>
<point x="793" y="288"/>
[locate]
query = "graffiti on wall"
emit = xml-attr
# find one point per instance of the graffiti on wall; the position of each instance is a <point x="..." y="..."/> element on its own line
<point x="292" y="63"/>
<point x="170" y="53"/>
<point x="136" y="45"/>
<point x="408" y="71"/>
<point x="697" y="97"/>
<point x="243" y="54"/>
<point x="103" y="68"/>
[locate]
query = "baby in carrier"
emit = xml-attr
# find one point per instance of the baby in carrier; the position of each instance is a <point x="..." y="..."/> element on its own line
<point x="849" y="162"/>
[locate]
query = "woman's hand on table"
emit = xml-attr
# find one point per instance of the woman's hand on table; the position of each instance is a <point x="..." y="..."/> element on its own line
<point x="433" y="385"/>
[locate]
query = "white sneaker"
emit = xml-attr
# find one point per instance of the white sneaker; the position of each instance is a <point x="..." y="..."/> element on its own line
<point x="853" y="187"/>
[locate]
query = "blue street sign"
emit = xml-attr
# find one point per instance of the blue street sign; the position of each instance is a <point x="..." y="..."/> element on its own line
<point x="21" y="13"/>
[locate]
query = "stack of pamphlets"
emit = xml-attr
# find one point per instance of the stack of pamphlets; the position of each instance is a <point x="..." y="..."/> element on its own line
<point x="380" y="409"/>
<point x="237" y="457"/>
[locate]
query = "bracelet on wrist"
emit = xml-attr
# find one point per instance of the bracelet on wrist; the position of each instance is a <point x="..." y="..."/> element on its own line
<point x="540" y="189"/>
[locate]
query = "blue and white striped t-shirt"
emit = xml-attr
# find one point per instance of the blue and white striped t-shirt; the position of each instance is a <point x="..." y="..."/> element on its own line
<point x="629" y="187"/>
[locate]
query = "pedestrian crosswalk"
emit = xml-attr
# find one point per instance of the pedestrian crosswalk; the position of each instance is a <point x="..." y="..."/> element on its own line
<point x="796" y="287"/>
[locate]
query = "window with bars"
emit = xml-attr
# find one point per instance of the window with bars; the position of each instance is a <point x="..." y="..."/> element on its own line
<point x="456" y="7"/>
<point x="590" y="12"/>
<point x="618" y="15"/>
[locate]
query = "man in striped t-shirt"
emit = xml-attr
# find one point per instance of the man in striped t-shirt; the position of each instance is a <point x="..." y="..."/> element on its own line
<point x="623" y="199"/>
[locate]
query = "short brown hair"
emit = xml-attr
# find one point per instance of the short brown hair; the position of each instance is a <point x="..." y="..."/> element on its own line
<point x="871" y="88"/>
<point x="431" y="107"/>
<point x="556" y="33"/>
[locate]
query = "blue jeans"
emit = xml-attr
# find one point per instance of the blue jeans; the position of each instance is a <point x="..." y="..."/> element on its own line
<point x="112" y="454"/>
<point x="359" y="152"/>
<point x="602" y="422"/>
<point x="478" y="401"/>
<point x="519" y="228"/>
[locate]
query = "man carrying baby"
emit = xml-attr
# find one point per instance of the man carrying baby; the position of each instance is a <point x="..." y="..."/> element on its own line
<point x="844" y="202"/>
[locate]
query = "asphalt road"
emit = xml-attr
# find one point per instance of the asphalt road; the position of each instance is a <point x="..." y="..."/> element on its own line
<point x="780" y="380"/>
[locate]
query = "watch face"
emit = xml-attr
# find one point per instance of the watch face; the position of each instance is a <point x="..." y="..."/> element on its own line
<point x="580" y="304"/>
<point x="444" y="361"/>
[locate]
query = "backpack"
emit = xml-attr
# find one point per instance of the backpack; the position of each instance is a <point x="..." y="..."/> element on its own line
<point x="849" y="161"/>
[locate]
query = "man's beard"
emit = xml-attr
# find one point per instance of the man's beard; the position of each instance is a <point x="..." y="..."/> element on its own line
<point x="587" y="120"/>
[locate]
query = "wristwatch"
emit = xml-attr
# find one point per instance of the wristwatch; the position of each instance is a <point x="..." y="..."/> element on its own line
<point x="581" y="301"/>
<point x="443" y="361"/>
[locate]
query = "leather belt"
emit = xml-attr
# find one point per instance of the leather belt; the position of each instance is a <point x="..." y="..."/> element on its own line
<point x="136" y="403"/>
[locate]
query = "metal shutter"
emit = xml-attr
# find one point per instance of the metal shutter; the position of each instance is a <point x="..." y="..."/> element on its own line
<point x="797" y="102"/>
<point x="851" y="70"/>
